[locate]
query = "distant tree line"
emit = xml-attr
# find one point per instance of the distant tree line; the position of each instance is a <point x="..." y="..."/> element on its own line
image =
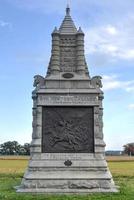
<point x="14" y="148"/>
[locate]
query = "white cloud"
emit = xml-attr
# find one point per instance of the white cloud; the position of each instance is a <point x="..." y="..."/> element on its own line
<point x="5" y="24"/>
<point x="111" y="30"/>
<point x="131" y="106"/>
<point x="112" y="82"/>
<point x="130" y="89"/>
<point x="112" y="144"/>
<point x="113" y="40"/>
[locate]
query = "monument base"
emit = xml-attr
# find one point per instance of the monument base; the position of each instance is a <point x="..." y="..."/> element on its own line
<point x="87" y="173"/>
<point x="67" y="149"/>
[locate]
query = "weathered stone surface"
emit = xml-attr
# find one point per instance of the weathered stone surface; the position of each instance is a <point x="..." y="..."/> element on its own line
<point x="64" y="184"/>
<point x="74" y="156"/>
<point x="67" y="191"/>
<point x="61" y="175"/>
<point x="75" y="163"/>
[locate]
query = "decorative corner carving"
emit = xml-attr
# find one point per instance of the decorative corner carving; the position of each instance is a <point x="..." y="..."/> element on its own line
<point x="101" y="96"/>
<point x="96" y="110"/>
<point x="34" y="112"/>
<point x="38" y="81"/>
<point x="96" y="82"/>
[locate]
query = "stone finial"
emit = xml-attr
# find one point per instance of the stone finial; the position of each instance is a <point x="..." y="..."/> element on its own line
<point x="55" y="31"/>
<point x="68" y="10"/>
<point x="68" y="27"/>
<point x="80" y="31"/>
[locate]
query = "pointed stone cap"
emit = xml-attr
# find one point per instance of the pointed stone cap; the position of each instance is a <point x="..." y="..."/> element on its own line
<point x="55" y="31"/>
<point x="68" y="26"/>
<point x="80" y="31"/>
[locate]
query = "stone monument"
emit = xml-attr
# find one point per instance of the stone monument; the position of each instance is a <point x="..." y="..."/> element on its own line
<point x="67" y="148"/>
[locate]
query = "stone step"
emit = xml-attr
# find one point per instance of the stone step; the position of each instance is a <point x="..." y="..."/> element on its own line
<point x="72" y="184"/>
<point x="74" y="175"/>
<point x="61" y="163"/>
<point x="67" y="191"/>
<point x="42" y="169"/>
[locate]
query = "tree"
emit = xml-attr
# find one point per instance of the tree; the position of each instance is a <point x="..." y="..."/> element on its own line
<point x="129" y="149"/>
<point x="10" y="148"/>
<point x="14" y="148"/>
<point x="27" y="148"/>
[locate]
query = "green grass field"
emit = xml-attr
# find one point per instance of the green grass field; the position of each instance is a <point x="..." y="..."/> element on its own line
<point x="12" y="169"/>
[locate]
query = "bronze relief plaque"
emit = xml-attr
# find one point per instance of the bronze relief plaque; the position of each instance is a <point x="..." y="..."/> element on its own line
<point x="67" y="129"/>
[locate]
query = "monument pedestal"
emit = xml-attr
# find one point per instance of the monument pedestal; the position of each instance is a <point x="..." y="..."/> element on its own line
<point x="66" y="172"/>
<point x="88" y="173"/>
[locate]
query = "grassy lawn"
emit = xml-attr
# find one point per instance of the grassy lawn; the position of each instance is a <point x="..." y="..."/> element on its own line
<point x="122" y="169"/>
<point x="11" y="172"/>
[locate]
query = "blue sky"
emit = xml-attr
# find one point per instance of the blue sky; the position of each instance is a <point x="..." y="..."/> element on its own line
<point x="25" y="46"/>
